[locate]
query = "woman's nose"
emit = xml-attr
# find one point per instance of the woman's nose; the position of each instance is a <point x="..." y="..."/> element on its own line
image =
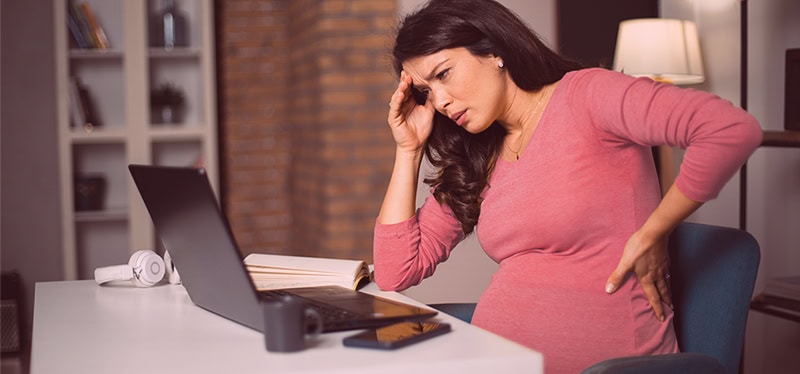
<point x="441" y="100"/>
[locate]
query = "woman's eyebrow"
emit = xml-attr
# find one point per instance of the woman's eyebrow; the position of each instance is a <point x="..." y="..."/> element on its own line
<point x="432" y="74"/>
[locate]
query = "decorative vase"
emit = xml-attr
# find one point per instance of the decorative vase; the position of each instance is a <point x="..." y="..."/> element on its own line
<point x="90" y="191"/>
<point x="171" y="27"/>
<point x="168" y="114"/>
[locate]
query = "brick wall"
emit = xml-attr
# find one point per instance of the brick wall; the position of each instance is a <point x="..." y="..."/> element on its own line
<point x="306" y="153"/>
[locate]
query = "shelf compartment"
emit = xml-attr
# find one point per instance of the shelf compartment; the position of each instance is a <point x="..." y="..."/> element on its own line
<point x="189" y="9"/>
<point x="109" y="17"/>
<point x="109" y="161"/>
<point x="104" y="79"/>
<point x="101" y="243"/>
<point x="186" y="76"/>
<point x="178" y="153"/>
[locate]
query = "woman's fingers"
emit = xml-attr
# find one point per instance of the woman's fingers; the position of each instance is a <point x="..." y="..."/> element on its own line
<point x="663" y="285"/>
<point x="654" y="297"/>
<point x="650" y="264"/>
<point x="400" y="93"/>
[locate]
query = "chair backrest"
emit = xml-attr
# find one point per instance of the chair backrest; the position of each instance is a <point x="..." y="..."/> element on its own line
<point x="713" y="274"/>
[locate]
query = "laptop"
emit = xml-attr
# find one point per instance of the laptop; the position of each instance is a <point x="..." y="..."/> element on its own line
<point x="193" y="229"/>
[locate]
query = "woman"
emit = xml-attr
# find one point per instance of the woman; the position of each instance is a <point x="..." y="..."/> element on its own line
<point x="550" y="165"/>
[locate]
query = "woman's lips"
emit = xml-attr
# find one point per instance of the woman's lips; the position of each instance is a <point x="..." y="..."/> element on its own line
<point x="459" y="118"/>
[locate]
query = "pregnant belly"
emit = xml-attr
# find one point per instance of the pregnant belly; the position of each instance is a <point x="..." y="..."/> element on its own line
<point x="559" y="307"/>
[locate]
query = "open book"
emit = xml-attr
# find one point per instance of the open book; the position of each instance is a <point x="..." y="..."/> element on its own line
<point x="280" y="271"/>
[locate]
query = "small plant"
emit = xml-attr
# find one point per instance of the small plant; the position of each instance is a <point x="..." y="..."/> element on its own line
<point x="167" y="95"/>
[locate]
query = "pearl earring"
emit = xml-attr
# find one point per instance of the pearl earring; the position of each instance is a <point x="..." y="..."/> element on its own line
<point x="500" y="64"/>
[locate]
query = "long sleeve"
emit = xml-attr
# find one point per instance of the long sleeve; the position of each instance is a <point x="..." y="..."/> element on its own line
<point x="718" y="137"/>
<point x="405" y="253"/>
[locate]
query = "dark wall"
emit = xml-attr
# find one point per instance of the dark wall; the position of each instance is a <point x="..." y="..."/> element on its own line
<point x="30" y="194"/>
<point x="587" y="29"/>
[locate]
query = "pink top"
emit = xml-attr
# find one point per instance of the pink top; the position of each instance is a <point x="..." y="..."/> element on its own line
<point x="557" y="219"/>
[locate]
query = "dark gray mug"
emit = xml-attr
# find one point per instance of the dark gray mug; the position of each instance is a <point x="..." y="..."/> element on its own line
<point x="287" y="322"/>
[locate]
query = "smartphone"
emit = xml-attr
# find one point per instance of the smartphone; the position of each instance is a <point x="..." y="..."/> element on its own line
<point x="396" y="335"/>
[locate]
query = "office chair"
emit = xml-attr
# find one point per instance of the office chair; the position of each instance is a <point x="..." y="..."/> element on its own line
<point x="713" y="274"/>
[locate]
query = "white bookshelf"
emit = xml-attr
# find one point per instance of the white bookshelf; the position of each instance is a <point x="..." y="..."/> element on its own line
<point x="119" y="80"/>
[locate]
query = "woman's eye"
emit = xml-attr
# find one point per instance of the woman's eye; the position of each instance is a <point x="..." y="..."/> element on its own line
<point x="443" y="74"/>
<point x="420" y="90"/>
<point x="420" y="96"/>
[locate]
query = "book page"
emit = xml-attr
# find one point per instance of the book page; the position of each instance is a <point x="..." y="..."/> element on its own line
<point x="275" y="284"/>
<point x="300" y="264"/>
<point x="280" y="271"/>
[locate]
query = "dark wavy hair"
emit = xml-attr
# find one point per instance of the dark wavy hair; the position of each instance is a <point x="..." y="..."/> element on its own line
<point x="464" y="161"/>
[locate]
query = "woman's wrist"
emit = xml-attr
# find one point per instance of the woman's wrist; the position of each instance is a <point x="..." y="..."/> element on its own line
<point x="649" y="234"/>
<point x="414" y="153"/>
<point x="400" y="201"/>
<point x="673" y="209"/>
<point x="410" y="156"/>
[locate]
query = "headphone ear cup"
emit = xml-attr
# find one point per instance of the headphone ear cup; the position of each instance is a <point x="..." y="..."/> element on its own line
<point x="147" y="267"/>
<point x="172" y="272"/>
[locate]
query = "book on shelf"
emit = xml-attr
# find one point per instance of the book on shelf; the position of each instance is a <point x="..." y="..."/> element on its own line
<point x="82" y="111"/>
<point x="76" y="110"/>
<point x="85" y="28"/>
<point x="270" y="271"/>
<point x="83" y="35"/>
<point x="76" y="32"/>
<point x="99" y="35"/>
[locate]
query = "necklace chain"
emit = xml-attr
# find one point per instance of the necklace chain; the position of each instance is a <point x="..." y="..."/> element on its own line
<point x="536" y="111"/>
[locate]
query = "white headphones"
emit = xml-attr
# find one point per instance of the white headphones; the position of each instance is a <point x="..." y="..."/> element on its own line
<point x="172" y="272"/>
<point x="145" y="268"/>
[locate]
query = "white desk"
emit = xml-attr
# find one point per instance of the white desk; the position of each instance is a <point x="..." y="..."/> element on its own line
<point x="79" y="327"/>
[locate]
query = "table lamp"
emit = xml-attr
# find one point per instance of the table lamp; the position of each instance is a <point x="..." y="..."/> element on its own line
<point x="665" y="50"/>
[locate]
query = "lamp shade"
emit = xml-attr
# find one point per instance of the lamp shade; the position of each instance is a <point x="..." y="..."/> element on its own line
<point x="663" y="49"/>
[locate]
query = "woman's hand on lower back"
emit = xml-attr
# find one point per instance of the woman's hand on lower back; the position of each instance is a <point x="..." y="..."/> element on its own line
<point x="648" y="259"/>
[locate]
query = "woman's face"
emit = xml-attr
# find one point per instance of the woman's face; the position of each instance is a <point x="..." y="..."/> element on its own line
<point x="470" y="90"/>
